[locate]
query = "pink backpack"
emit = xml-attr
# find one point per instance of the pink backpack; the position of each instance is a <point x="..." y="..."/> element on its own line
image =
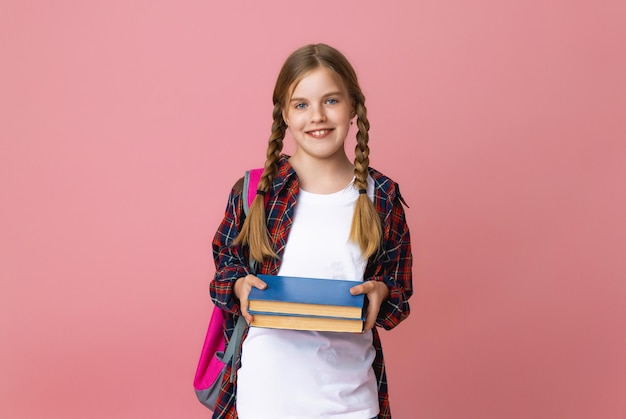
<point x="215" y="355"/>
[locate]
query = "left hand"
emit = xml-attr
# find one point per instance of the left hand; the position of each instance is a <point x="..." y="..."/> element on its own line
<point x="376" y="293"/>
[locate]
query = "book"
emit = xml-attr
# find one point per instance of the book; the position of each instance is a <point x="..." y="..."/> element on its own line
<point x="307" y="304"/>
<point x="303" y="322"/>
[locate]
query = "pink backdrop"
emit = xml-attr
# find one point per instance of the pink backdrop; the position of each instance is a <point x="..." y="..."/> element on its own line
<point x="123" y="125"/>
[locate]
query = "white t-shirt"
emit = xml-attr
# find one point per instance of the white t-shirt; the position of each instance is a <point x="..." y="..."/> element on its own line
<point x="303" y="374"/>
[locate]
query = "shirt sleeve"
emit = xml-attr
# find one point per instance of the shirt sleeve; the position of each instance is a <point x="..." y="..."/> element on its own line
<point x="395" y="271"/>
<point x="230" y="260"/>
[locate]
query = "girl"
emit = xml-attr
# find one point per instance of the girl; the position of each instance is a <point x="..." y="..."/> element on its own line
<point x="316" y="214"/>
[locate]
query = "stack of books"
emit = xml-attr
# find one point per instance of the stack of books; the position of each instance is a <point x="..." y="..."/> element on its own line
<point x="296" y="303"/>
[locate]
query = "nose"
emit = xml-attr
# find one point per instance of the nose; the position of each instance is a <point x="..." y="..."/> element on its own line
<point x="318" y="114"/>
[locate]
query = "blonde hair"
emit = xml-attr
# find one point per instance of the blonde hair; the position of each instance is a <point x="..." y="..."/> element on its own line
<point x="366" y="228"/>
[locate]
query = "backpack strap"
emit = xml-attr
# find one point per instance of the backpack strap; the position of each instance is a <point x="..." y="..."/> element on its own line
<point x="232" y="350"/>
<point x="209" y="374"/>
<point x="250" y="184"/>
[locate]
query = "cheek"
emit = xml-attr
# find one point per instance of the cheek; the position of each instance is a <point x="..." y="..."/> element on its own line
<point x="344" y="117"/>
<point x="297" y="119"/>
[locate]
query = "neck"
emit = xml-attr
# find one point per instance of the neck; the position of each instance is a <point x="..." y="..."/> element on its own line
<point x="323" y="176"/>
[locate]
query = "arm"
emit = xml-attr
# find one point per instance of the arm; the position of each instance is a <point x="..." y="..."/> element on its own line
<point x="394" y="268"/>
<point x="230" y="261"/>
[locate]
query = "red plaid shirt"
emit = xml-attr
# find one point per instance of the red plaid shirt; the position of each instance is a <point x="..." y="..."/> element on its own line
<point x="391" y="265"/>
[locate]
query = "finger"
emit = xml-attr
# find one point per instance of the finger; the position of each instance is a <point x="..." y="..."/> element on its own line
<point x="249" y="282"/>
<point x="363" y="288"/>
<point x="256" y="282"/>
<point x="244" y="310"/>
<point x="373" y="307"/>
<point x="370" y="319"/>
<point x="249" y="317"/>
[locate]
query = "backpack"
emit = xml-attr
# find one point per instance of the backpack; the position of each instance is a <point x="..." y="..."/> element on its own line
<point x="216" y="356"/>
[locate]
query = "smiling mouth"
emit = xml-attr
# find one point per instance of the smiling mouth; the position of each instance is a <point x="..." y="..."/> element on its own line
<point x="319" y="133"/>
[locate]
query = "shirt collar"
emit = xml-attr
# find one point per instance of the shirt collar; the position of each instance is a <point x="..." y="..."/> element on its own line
<point x="284" y="173"/>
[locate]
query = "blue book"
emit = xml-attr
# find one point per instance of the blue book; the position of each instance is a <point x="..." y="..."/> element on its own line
<point x="307" y="304"/>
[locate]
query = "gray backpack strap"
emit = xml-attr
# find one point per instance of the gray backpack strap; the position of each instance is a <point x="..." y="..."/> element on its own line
<point x="246" y="193"/>
<point x="250" y="182"/>
<point x="232" y="351"/>
<point x="234" y="346"/>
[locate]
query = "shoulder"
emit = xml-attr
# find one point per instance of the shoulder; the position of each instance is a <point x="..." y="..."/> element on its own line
<point x="386" y="189"/>
<point x="238" y="186"/>
<point x="383" y="184"/>
<point x="283" y="174"/>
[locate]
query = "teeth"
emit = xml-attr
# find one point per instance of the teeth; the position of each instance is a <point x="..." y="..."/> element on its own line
<point x="319" y="132"/>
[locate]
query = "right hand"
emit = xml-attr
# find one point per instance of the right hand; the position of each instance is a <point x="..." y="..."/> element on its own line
<point x="242" y="289"/>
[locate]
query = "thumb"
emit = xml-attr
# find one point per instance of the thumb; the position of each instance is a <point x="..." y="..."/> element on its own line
<point x="256" y="282"/>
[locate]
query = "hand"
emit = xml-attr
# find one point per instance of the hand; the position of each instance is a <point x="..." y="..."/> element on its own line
<point x="242" y="289"/>
<point x="376" y="293"/>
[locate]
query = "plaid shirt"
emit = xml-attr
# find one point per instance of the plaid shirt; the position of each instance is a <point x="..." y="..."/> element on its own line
<point x="391" y="265"/>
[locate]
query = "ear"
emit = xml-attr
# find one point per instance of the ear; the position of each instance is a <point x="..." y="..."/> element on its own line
<point x="285" y="117"/>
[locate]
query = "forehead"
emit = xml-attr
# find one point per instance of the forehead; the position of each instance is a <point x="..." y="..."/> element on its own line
<point x="317" y="82"/>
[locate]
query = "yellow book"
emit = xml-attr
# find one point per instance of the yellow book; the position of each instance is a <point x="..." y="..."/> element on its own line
<point x="320" y="324"/>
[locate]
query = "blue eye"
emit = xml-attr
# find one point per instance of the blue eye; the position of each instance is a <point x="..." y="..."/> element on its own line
<point x="332" y="101"/>
<point x="300" y="106"/>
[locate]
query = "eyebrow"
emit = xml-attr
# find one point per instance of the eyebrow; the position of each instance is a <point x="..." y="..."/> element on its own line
<point x="298" y="99"/>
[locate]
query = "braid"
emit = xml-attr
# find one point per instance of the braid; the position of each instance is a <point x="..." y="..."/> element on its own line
<point x="366" y="226"/>
<point x="254" y="232"/>
<point x="362" y="150"/>
<point x="274" y="148"/>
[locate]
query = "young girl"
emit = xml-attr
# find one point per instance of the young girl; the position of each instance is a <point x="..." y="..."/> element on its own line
<point x="316" y="214"/>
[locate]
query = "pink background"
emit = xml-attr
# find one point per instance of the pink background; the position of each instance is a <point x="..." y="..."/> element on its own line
<point x="123" y="125"/>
